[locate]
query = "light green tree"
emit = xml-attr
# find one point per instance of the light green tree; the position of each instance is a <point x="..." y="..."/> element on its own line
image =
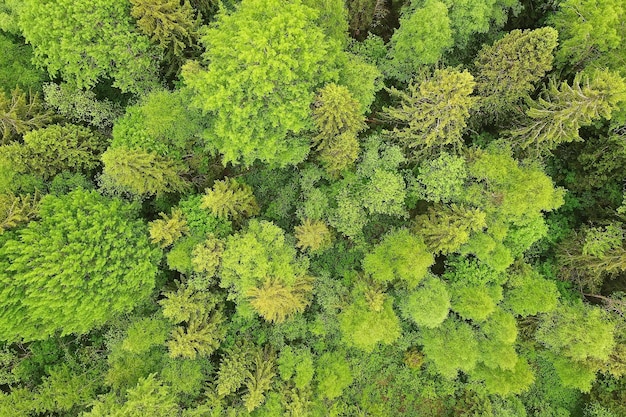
<point x="433" y="114"/>
<point x="264" y="63"/>
<point x="427" y="305"/>
<point x="275" y="302"/>
<point x="168" y="229"/>
<point x="400" y="256"/>
<point x="336" y="112"/>
<point x="88" y="42"/>
<point x="230" y="199"/>
<point x="528" y="293"/>
<point x="415" y="44"/>
<point x="85" y="261"/>
<point x="313" y="236"/>
<point x="20" y="113"/>
<point x="259" y="380"/>
<point x="333" y="374"/>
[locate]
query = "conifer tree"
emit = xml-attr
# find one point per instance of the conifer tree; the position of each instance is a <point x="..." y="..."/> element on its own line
<point x="313" y="236"/>
<point x="17" y="209"/>
<point x="232" y="370"/>
<point x="507" y="70"/>
<point x="141" y="173"/>
<point x="336" y="112"/>
<point x="446" y="228"/>
<point x="168" y="229"/>
<point x="275" y="302"/>
<point x="259" y="379"/>
<point x="339" y="153"/>
<point x="169" y="24"/>
<point x="21" y="113"/>
<point x="556" y="117"/>
<point x="432" y="115"/>
<point x="230" y="199"/>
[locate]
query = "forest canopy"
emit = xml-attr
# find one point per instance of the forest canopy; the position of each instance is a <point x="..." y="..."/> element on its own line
<point x="311" y="208"/>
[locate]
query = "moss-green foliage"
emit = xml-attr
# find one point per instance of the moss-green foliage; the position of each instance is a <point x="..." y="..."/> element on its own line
<point x="168" y="229"/>
<point x="232" y="91"/>
<point x="313" y="236"/>
<point x="169" y="24"/>
<point x="15" y="210"/>
<point x="432" y="114"/>
<point x="16" y="69"/>
<point x="333" y="375"/>
<point x="557" y="117"/>
<point x="400" y="256"/>
<point x="528" y="293"/>
<point x="91" y="256"/>
<point x="54" y="149"/>
<point x="509" y="69"/>
<point x="86" y="43"/>
<point x="230" y="199"/>
<point x="20" y="113"/>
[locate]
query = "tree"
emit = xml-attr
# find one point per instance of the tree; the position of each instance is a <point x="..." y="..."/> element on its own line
<point x="415" y="44"/>
<point x="432" y="115"/>
<point x="86" y="43"/>
<point x="275" y="302"/>
<point x="167" y="230"/>
<point x="230" y="199"/>
<point x="313" y="236"/>
<point x="51" y="150"/>
<point x="257" y="96"/>
<point x="17" y="209"/>
<point x="203" y="319"/>
<point x="446" y="228"/>
<point x="141" y="173"/>
<point x="232" y="370"/>
<point x="16" y="69"/>
<point x="451" y="347"/>
<point x="400" y="256"/>
<point x="339" y="153"/>
<point x="333" y="375"/>
<point x="591" y="33"/>
<point x="428" y="305"/>
<point x="21" y="113"/>
<point x="557" y="117"/>
<point x="507" y="70"/>
<point x="262" y="271"/>
<point x="369" y="320"/>
<point x="528" y="293"/>
<point x="442" y="179"/>
<point x="85" y="261"/>
<point x="169" y="24"/>
<point x="336" y="113"/>
<point x="259" y="380"/>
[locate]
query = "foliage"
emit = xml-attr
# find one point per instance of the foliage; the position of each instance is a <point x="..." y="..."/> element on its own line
<point x="507" y="70"/>
<point x="167" y="230"/>
<point x="432" y="114"/>
<point x="85" y="43"/>
<point x="230" y="199"/>
<point x="21" y="113"/>
<point x="273" y="92"/>
<point x="85" y="261"/>
<point x="428" y="304"/>
<point x="313" y="236"/>
<point x="16" y="69"/>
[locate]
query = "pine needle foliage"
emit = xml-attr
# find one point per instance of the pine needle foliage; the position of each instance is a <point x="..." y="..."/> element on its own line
<point x="230" y="199"/>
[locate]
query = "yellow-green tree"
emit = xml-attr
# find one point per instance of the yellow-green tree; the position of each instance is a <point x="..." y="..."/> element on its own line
<point x="230" y="199"/>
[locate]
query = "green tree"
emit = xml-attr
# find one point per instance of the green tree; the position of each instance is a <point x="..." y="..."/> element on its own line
<point x="432" y="115"/>
<point x="557" y="117"/>
<point x="257" y="265"/>
<point x="333" y="375"/>
<point x="168" y="229"/>
<point x="507" y="70"/>
<point x="15" y="210"/>
<point x="232" y="370"/>
<point x="415" y="44"/>
<point x="51" y="150"/>
<point x="591" y="32"/>
<point x="400" y="256"/>
<point x="85" y="261"/>
<point x="169" y="23"/>
<point x="336" y="112"/>
<point x="442" y="179"/>
<point x="259" y="380"/>
<point x="451" y="347"/>
<point x="446" y="228"/>
<point x="88" y="42"/>
<point x="528" y="293"/>
<point x="313" y="236"/>
<point x="259" y="99"/>
<point x="16" y="69"/>
<point x="230" y="199"/>
<point x="427" y="305"/>
<point x="339" y="153"/>
<point x="21" y="113"/>
<point x="141" y="173"/>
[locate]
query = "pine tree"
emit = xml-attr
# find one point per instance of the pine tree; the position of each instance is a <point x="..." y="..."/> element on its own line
<point x="556" y="117"/>
<point x="169" y="24"/>
<point x="276" y="302"/>
<point x="207" y="255"/>
<point x="335" y="113"/>
<point x="230" y="199"/>
<point x="313" y="236"/>
<point x="432" y="115"/>
<point x="259" y="380"/>
<point x="21" y="113"/>
<point x="507" y="70"/>
<point x="446" y="228"/>
<point x="141" y="173"/>
<point x="168" y="229"/>
<point x="17" y="209"/>
<point x="232" y="370"/>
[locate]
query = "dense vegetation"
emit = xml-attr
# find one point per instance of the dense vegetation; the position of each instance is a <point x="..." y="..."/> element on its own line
<point x="315" y="208"/>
